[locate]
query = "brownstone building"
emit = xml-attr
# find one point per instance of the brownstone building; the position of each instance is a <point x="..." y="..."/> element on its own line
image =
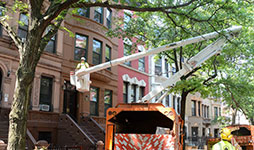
<point x="52" y="96"/>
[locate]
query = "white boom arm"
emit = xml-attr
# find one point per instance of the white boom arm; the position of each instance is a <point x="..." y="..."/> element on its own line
<point x="122" y="60"/>
<point x="193" y="63"/>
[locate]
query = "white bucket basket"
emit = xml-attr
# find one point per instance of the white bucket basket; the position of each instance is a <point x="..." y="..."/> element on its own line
<point x="82" y="84"/>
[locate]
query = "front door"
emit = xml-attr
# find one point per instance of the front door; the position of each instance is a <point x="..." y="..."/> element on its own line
<point x="70" y="100"/>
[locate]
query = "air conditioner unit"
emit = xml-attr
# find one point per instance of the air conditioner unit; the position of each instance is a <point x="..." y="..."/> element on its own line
<point x="44" y="107"/>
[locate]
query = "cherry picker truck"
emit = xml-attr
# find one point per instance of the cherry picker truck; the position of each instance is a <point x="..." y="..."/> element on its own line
<point x="133" y="126"/>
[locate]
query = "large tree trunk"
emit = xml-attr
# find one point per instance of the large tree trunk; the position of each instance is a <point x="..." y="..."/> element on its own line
<point x="29" y="57"/>
<point x="183" y="108"/>
<point x="19" y="110"/>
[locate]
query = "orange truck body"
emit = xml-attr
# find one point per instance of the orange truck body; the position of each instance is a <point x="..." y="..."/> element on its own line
<point x="243" y="135"/>
<point x="130" y="126"/>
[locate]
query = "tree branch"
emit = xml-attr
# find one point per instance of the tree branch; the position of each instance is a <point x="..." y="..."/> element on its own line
<point x="56" y="8"/>
<point x="54" y="28"/>
<point x="190" y="73"/>
<point x="233" y="99"/>
<point x="175" y="60"/>
<point x="214" y="75"/>
<point x="10" y="31"/>
<point x="35" y="6"/>
<point x="132" y="8"/>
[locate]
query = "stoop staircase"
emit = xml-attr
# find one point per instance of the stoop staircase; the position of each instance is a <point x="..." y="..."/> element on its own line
<point x="93" y="129"/>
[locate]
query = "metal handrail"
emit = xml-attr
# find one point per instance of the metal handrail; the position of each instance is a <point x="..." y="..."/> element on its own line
<point x="80" y="129"/>
<point x="95" y="122"/>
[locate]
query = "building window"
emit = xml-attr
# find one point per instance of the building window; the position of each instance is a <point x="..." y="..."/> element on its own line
<point x="125" y="92"/>
<point x="98" y="14"/>
<point x="133" y="93"/>
<point x="107" y="100"/>
<point x="178" y="105"/>
<point x="194" y="132"/>
<point x="167" y="101"/>
<point x="193" y="108"/>
<point x="23" y="26"/>
<point x="94" y="98"/>
<point x="51" y="46"/>
<point x="108" y="54"/>
<point x="81" y="44"/>
<point x="141" y="64"/>
<point x="199" y="111"/>
<point x="141" y="92"/>
<point x="85" y="12"/>
<point x="97" y="49"/>
<point x="174" y="102"/>
<point x="166" y="68"/>
<point x="126" y="52"/>
<point x="158" y="68"/>
<point x="215" y="112"/>
<point x="46" y="93"/>
<point x="127" y="19"/>
<point x="109" y="18"/>
<point x="207" y="112"/>
<point x="219" y="111"/>
<point x="2" y="7"/>
<point x="173" y="70"/>
<point x="141" y="61"/>
<point x="203" y="132"/>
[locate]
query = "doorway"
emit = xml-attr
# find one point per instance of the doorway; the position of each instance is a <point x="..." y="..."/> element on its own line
<point x="70" y="100"/>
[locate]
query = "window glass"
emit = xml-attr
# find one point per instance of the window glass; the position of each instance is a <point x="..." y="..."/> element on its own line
<point x="178" y="105"/>
<point x="193" y="107"/>
<point x="107" y="100"/>
<point x="141" y="92"/>
<point x="166" y="68"/>
<point x="109" y="16"/>
<point x="133" y="93"/>
<point x="94" y="98"/>
<point x="199" y="109"/>
<point x="167" y="101"/>
<point x="174" y="102"/>
<point x="1" y="14"/>
<point x="141" y="64"/>
<point x="125" y="92"/>
<point x="97" y="49"/>
<point x="207" y="111"/>
<point x="173" y="70"/>
<point x="158" y="69"/>
<point x="127" y="51"/>
<point x="46" y="91"/>
<point x="23" y="26"/>
<point x="51" y="46"/>
<point x="216" y="111"/>
<point x="108" y="55"/>
<point x="98" y="14"/>
<point x="81" y="44"/>
<point x="84" y="12"/>
<point x="127" y="19"/>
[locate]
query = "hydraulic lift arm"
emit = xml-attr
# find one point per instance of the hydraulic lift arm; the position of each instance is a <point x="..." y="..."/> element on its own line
<point x="157" y="50"/>
<point x="194" y="62"/>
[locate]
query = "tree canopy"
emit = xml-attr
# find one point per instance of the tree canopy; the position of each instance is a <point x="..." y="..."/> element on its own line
<point x="157" y="23"/>
<point x="164" y="27"/>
